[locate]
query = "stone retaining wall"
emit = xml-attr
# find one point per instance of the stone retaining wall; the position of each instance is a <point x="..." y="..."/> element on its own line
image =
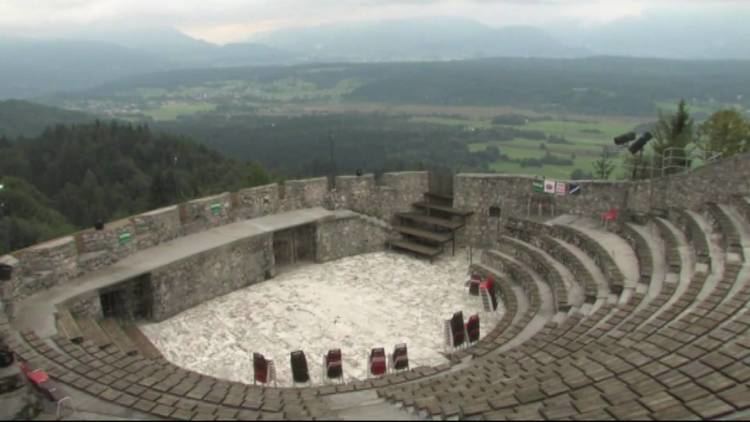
<point x="349" y="234"/>
<point x="189" y="282"/>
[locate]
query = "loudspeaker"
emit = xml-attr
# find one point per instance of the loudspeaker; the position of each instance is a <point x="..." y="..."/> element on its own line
<point x="625" y="138"/>
<point x="99" y="225"/>
<point x="640" y="143"/>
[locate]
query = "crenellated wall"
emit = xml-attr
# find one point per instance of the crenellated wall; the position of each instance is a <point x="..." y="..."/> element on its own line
<point x="56" y="262"/>
<point x="722" y="181"/>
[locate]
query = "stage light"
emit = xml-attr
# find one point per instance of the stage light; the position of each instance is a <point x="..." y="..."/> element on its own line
<point x="625" y="138"/>
<point x="638" y="145"/>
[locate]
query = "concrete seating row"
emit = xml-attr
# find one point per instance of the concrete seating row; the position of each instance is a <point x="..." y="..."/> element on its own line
<point x="642" y="250"/>
<point x="542" y="265"/>
<point x="645" y="369"/>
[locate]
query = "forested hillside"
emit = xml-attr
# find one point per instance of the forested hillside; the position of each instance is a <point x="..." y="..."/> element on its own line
<point x="72" y="176"/>
<point x="22" y="118"/>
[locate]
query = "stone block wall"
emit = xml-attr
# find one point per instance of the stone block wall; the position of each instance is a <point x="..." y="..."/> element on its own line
<point x="205" y="213"/>
<point x="306" y="193"/>
<point x="719" y="182"/>
<point x="85" y="306"/>
<point x="43" y="266"/>
<point x="155" y="227"/>
<point x="100" y="248"/>
<point x="256" y="202"/>
<point x="400" y="190"/>
<point x="349" y="234"/>
<point x="213" y="273"/>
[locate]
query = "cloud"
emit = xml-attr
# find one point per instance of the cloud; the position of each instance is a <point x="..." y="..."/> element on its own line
<point x="231" y="20"/>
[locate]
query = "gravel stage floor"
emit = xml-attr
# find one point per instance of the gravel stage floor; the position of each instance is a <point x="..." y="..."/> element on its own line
<point x="356" y="303"/>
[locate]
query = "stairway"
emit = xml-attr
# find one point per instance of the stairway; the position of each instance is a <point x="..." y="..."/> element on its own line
<point x="427" y="229"/>
<point x="106" y="333"/>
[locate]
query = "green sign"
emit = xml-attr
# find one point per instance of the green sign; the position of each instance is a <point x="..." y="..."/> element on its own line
<point x="216" y="208"/>
<point x="124" y="238"/>
<point x="538" y="186"/>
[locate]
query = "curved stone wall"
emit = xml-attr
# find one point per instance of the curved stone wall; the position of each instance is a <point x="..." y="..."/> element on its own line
<point x="53" y="263"/>
<point x="722" y="181"/>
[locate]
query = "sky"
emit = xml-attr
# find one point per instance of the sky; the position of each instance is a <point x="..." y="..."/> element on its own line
<point x="222" y="21"/>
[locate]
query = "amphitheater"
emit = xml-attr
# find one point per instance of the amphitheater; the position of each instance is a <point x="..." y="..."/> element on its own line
<point x="162" y="315"/>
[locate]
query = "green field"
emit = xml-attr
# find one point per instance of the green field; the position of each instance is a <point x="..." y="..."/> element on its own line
<point x="585" y="141"/>
<point x="173" y="109"/>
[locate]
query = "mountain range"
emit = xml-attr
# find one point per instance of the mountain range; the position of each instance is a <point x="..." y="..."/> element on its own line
<point x="88" y="58"/>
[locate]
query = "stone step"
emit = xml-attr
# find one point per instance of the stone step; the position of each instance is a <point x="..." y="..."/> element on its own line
<point x="91" y="330"/>
<point x="427" y="251"/>
<point x="443" y="208"/>
<point x="68" y="327"/>
<point x="144" y="345"/>
<point x="438" y="197"/>
<point x="424" y="234"/>
<point x="118" y="336"/>
<point x="433" y="221"/>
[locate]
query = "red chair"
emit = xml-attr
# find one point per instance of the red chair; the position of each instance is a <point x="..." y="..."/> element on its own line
<point x="473" y="284"/>
<point x="377" y="362"/>
<point x="610" y="215"/>
<point x="333" y="365"/>
<point x="400" y="358"/>
<point x="41" y="382"/>
<point x="300" y="371"/>
<point x="472" y="328"/>
<point x="457" y="329"/>
<point x="260" y="368"/>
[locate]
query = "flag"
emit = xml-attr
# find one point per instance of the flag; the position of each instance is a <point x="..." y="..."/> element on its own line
<point x="561" y="188"/>
<point x="574" y="189"/>
<point x="549" y="186"/>
<point x="538" y="186"/>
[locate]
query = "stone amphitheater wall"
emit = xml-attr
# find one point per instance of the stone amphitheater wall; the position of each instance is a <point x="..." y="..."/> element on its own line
<point x="55" y="262"/>
<point x="717" y="182"/>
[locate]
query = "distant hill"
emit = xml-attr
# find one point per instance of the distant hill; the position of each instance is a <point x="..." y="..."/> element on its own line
<point x="33" y="67"/>
<point x="23" y="118"/>
<point x="418" y="39"/>
<point x="181" y="50"/>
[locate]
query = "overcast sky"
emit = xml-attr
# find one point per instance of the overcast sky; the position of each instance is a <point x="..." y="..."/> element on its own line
<point x="234" y="20"/>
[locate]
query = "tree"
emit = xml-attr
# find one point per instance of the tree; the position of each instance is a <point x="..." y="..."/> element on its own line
<point x="725" y="132"/>
<point x="672" y="135"/>
<point x="579" y="174"/>
<point x="604" y="166"/>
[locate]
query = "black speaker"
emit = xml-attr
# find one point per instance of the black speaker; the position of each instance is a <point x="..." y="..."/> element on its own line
<point x="625" y="138"/>
<point x="638" y="145"/>
<point x="99" y="225"/>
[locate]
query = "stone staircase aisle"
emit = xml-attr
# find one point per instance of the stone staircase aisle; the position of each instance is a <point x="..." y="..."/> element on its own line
<point x="432" y="225"/>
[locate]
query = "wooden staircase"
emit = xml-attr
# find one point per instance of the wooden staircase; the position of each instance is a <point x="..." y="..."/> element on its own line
<point x="432" y="225"/>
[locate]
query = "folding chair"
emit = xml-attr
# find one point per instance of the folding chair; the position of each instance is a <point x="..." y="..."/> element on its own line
<point x="41" y="382"/>
<point x="491" y="289"/>
<point x="473" y="284"/>
<point x="399" y="360"/>
<point x="376" y="363"/>
<point x="472" y="328"/>
<point x="610" y="215"/>
<point x="457" y="329"/>
<point x="300" y="372"/>
<point x="332" y="365"/>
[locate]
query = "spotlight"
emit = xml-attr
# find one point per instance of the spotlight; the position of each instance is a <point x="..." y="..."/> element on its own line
<point x="625" y="138"/>
<point x="640" y="143"/>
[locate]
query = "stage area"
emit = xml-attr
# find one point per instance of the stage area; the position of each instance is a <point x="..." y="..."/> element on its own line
<point x="356" y="303"/>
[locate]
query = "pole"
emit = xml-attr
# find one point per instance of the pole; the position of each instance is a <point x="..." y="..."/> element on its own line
<point x="333" y="161"/>
<point x="5" y="221"/>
